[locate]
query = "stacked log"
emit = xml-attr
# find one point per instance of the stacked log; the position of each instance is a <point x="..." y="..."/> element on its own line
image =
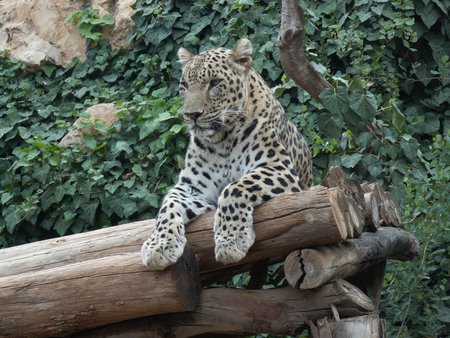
<point x="95" y="281"/>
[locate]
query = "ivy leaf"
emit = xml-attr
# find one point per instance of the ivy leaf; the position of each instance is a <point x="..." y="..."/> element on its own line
<point x="121" y="146"/>
<point x="335" y="99"/>
<point x="396" y="116"/>
<point x="349" y="161"/>
<point x="61" y="225"/>
<point x="176" y="128"/>
<point x="89" y="211"/>
<point x="165" y="116"/>
<point x="4" y="131"/>
<point x="410" y="146"/>
<point x="129" y="208"/>
<point x="330" y="125"/>
<point x="364" y="104"/>
<point x="6" y="197"/>
<point x="11" y="218"/>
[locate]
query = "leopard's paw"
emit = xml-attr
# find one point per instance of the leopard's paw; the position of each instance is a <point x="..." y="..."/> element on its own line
<point x="231" y="246"/>
<point x="162" y="250"/>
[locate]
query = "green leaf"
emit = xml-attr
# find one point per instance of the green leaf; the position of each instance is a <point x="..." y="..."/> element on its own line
<point x="364" y="104"/>
<point x="349" y="161"/>
<point x="6" y="197"/>
<point x="410" y="147"/>
<point x="148" y="128"/>
<point x="4" y="131"/>
<point x="396" y="116"/>
<point x="89" y="141"/>
<point x="153" y="200"/>
<point x="89" y="211"/>
<point x="330" y="125"/>
<point x="48" y="69"/>
<point x="61" y="225"/>
<point x="335" y="99"/>
<point x="81" y="92"/>
<point x="122" y="146"/>
<point x="176" y="128"/>
<point x="165" y="116"/>
<point x="12" y="219"/>
<point x="129" y="208"/>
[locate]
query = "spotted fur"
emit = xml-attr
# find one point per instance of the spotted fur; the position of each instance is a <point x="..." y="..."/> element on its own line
<point x="243" y="151"/>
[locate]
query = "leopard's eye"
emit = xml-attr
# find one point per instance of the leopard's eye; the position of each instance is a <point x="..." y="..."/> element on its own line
<point x="214" y="83"/>
<point x="183" y="85"/>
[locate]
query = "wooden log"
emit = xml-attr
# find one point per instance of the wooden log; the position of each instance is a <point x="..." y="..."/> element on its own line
<point x="310" y="268"/>
<point x="283" y="224"/>
<point x="388" y="208"/>
<point x="357" y="204"/>
<point x="369" y="326"/>
<point x="282" y="311"/>
<point x="370" y="281"/>
<point x="63" y="300"/>
<point x="372" y="216"/>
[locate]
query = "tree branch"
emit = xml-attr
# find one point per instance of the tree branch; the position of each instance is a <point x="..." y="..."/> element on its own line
<point x="292" y="53"/>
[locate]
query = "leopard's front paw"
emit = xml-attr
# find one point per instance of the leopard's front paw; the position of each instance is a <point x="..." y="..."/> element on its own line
<point x="162" y="249"/>
<point x="233" y="239"/>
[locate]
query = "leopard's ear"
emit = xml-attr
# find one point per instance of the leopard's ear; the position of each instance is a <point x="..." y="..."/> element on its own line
<point x="242" y="54"/>
<point x="184" y="56"/>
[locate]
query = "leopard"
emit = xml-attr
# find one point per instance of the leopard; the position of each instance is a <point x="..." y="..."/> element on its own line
<point x="243" y="150"/>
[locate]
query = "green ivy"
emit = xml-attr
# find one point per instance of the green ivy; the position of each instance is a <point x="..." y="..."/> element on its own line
<point x="89" y="23"/>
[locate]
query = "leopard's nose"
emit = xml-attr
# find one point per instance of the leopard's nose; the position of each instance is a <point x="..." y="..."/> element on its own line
<point x="192" y="115"/>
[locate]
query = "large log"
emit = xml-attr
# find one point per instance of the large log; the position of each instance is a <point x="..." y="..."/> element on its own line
<point x="357" y="208"/>
<point x="388" y="208"/>
<point x="310" y="268"/>
<point x="63" y="300"/>
<point x="278" y="311"/>
<point x="283" y="224"/>
<point x="369" y="326"/>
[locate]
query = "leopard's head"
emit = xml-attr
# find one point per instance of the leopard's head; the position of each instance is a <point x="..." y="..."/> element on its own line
<point x="213" y="86"/>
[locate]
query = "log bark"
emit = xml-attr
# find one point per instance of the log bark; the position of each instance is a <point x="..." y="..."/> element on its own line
<point x="63" y="300"/>
<point x="293" y="58"/>
<point x="357" y="208"/>
<point x="310" y="268"/>
<point x="283" y="224"/>
<point x="372" y="215"/>
<point x="369" y="326"/>
<point x="236" y="311"/>
<point x="388" y="208"/>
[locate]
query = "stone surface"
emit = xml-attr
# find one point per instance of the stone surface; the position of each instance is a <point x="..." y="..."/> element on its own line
<point x="104" y="112"/>
<point x="35" y="31"/>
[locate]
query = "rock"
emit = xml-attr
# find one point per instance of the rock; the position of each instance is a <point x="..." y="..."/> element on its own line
<point x="104" y="112"/>
<point x="34" y="31"/>
<point x="123" y="12"/>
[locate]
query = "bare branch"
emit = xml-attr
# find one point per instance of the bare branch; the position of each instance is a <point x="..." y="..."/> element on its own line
<point x="292" y="53"/>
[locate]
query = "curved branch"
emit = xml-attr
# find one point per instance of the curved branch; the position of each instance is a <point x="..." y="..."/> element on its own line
<point x="294" y="61"/>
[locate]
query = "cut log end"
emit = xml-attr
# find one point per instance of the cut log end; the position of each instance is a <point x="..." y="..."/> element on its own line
<point x="186" y="276"/>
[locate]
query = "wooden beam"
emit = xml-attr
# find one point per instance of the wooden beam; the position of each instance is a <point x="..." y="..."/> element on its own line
<point x="283" y="311"/>
<point x="67" y="299"/>
<point x="369" y="326"/>
<point x="310" y="268"/>
<point x="283" y="224"/>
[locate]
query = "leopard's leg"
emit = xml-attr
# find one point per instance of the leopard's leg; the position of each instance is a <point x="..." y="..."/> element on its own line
<point x="233" y="222"/>
<point x="166" y="243"/>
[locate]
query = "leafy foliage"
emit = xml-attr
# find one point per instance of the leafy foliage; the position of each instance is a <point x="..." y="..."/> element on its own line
<point x="90" y="24"/>
<point x="386" y="120"/>
<point x="416" y="297"/>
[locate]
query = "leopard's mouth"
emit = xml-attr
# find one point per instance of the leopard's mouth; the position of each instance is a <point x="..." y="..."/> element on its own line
<point x="213" y="126"/>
